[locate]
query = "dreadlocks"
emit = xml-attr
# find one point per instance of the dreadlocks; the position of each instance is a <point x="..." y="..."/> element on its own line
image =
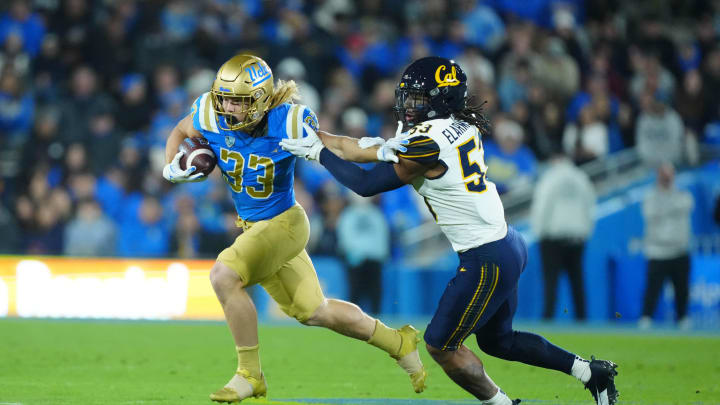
<point x="472" y="113"/>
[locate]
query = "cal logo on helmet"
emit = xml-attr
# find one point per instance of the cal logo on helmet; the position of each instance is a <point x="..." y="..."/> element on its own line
<point x="431" y="87"/>
<point x="450" y="78"/>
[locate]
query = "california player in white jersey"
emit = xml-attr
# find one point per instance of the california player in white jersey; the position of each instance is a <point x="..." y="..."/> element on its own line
<point x="461" y="198"/>
<point x="443" y="160"/>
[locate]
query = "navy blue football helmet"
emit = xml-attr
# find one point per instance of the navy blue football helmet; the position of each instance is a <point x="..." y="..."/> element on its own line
<point x="430" y="88"/>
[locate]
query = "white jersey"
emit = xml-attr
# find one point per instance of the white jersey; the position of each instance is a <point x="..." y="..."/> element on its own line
<point x="463" y="202"/>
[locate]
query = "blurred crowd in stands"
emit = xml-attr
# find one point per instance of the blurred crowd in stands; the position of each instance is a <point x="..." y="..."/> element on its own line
<point x="89" y="90"/>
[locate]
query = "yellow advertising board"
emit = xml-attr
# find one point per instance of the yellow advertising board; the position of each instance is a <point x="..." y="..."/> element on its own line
<point x="56" y="287"/>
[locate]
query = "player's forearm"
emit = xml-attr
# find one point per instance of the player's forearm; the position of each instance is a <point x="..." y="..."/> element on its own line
<point x="173" y="143"/>
<point x="183" y="129"/>
<point x="366" y="183"/>
<point x="347" y="148"/>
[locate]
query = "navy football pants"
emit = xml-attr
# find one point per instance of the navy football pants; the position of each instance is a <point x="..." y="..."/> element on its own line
<point x="482" y="298"/>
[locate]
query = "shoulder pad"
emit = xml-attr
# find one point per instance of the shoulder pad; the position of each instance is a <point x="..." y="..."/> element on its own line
<point x="203" y="114"/>
<point x="297" y="115"/>
<point x="421" y="149"/>
<point x="419" y="129"/>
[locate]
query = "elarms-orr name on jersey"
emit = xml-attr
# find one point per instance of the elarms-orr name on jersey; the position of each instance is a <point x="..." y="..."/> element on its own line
<point x="455" y="130"/>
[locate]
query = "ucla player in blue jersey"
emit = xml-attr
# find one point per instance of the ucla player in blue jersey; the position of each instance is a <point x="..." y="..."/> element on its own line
<point x="243" y="118"/>
<point x="444" y="162"/>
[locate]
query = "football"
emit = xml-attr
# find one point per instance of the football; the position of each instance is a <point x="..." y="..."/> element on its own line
<point x="198" y="153"/>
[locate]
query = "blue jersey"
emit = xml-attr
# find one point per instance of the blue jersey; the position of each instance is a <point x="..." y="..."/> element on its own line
<point x="258" y="171"/>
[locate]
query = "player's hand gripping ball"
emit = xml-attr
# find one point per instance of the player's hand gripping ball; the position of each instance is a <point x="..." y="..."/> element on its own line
<point x="194" y="161"/>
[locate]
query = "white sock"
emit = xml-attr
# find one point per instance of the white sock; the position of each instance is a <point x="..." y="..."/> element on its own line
<point x="499" y="399"/>
<point x="581" y="370"/>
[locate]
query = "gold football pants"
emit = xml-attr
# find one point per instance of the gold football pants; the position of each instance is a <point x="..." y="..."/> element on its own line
<point x="272" y="253"/>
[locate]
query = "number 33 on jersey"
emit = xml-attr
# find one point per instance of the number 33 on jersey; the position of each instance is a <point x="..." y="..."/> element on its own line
<point x="463" y="202"/>
<point x="259" y="173"/>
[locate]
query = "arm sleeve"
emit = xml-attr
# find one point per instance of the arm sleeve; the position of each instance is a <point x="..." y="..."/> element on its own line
<point x="421" y="149"/>
<point x="380" y="178"/>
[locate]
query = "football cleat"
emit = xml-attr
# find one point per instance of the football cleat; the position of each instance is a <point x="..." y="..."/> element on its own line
<point x="516" y="401"/>
<point x="602" y="381"/>
<point x="409" y="359"/>
<point x="241" y="386"/>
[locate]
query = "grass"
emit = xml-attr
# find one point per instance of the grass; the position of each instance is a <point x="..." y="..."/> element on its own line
<point x="106" y="362"/>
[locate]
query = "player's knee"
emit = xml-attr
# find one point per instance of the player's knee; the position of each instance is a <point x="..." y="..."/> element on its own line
<point x="304" y="318"/>
<point x="302" y="315"/>
<point x="317" y="317"/>
<point x="223" y="280"/>
<point x="440" y="356"/>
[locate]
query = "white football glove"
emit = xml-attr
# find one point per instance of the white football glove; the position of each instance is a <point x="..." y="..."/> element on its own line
<point x="174" y="174"/>
<point x="370" y="141"/>
<point x="387" y="149"/>
<point x="308" y="147"/>
<point x="387" y="152"/>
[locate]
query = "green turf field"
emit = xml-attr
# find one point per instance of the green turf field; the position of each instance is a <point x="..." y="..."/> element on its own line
<point x="105" y="362"/>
